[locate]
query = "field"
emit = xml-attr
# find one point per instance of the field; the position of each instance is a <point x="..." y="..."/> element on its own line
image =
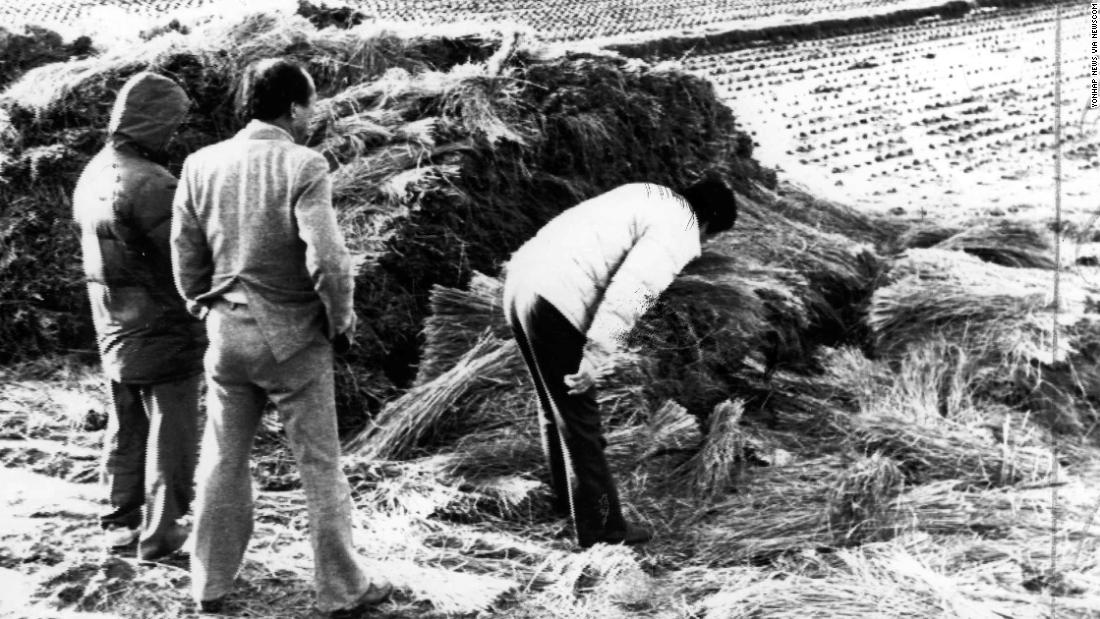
<point x="598" y="21"/>
<point x="952" y="118"/>
<point x="855" y="405"/>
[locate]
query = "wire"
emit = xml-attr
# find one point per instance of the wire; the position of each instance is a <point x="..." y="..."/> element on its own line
<point x="1054" y="446"/>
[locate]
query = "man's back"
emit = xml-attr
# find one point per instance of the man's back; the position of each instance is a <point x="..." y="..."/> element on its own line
<point x="257" y="249"/>
<point x="123" y="204"/>
<point x="258" y="208"/>
<point x="573" y="259"/>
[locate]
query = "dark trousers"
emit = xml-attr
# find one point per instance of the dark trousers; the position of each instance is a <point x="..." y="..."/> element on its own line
<point x="571" y="435"/>
<point x="149" y="457"/>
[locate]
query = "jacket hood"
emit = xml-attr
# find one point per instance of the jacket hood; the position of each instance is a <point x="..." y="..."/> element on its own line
<point x="149" y="109"/>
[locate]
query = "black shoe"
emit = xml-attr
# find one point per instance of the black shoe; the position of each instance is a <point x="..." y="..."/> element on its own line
<point x="375" y="595"/>
<point x="212" y="607"/>
<point x="632" y="535"/>
<point x="172" y="541"/>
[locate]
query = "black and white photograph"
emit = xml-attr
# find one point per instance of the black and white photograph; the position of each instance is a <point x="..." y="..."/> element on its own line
<point x="550" y="309"/>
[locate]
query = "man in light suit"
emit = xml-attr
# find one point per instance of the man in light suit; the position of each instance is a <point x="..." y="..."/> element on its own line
<point x="256" y="251"/>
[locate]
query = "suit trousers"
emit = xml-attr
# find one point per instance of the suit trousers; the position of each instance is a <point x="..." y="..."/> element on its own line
<point x="572" y="438"/>
<point x="149" y="458"/>
<point x="242" y="376"/>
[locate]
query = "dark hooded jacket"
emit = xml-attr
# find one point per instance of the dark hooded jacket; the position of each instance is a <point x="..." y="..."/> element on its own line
<point x="123" y="204"/>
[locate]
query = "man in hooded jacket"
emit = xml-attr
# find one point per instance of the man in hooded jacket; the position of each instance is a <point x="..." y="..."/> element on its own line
<point x="150" y="346"/>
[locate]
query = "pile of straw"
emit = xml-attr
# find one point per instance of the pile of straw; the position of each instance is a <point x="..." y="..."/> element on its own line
<point x="950" y="450"/>
<point x="450" y="147"/>
<point x="931" y="411"/>
<point x="796" y="204"/>
<point x="1002" y="312"/>
<point x="926" y="234"/>
<point x="1007" y="243"/>
<point x="1004" y="319"/>
<point x="53" y="119"/>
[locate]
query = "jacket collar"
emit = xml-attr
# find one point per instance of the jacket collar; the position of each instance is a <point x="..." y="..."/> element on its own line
<point x="260" y="130"/>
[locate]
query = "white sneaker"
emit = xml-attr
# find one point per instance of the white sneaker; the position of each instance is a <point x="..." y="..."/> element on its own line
<point x="120" y="537"/>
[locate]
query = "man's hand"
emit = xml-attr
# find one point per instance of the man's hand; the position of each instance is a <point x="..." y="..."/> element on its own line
<point x="583" y="380"/>
<point x="594" y="364"/>
<point x="341" y="343"/>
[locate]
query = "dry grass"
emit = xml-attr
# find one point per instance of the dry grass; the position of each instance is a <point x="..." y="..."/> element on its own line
<point x="457" y="317"/>
<point x="403" y="423"/>
<point x="860" y="502"/>
<point x="883" y="581"/>
<point x="1002" y="319"/>
<point x="1007" y="243"/>
<point x="724" y="449"/>
<point x="1000" y="311"/>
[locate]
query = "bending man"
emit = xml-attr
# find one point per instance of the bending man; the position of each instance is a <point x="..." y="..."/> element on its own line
<point x="572" y="293"/>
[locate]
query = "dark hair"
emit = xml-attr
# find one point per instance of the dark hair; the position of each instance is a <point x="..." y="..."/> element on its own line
<point x="270" y="86"/>
<point x="712" y="201"/>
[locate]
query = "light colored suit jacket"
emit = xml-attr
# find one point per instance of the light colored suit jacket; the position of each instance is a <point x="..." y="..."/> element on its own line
<point x="603" y="262"/>
<point x="254" y="213"/>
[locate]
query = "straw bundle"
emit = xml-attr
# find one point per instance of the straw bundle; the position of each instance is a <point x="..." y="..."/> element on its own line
<point x="1004" y="319"/>
<point x="949" y="450"/>
<point x="669" y="429"/>
<point x="1007" y="243"/>
<point x="500" y="450"/>
<point x="407" y="420"/>
<point x="860" y="502"/>
<point x="788" y="509"/>
<point x="779" y="510"/>
<point x="834" y="263"/>
<point x="818" y="503"/>
<point x="457" y="318"/>
<point x="717" y="464"/>
<point x="719" y="311"/>
<point x="833" y="218"/>
<point x="807" y="408"/>
<point x="923" y="235"/>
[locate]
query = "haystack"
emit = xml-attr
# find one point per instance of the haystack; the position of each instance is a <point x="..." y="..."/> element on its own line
<point x="449" y="147"/>
<point x="53" y="120"/>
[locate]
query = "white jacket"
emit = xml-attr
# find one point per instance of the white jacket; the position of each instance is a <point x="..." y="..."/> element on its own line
<point x="603" y="262"/>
